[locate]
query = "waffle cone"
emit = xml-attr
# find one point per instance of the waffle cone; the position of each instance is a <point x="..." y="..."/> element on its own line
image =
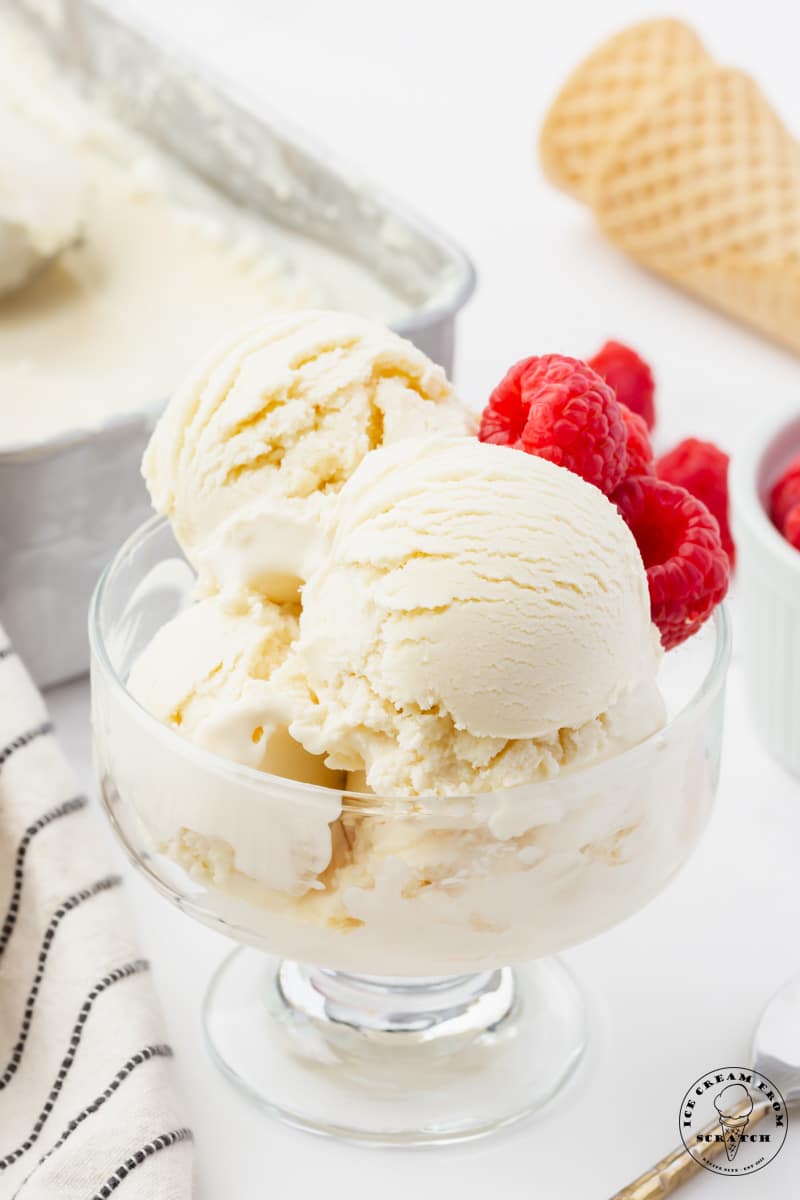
<point x="732" y="1130"/>
<point x="704" y="188"/>
<point x="626" y="74"/>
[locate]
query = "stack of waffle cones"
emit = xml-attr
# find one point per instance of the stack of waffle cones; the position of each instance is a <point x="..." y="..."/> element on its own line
<point x="687" y="168"/>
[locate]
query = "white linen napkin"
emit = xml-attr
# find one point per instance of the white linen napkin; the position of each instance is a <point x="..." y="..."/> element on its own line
<point x="86" y="1100"/>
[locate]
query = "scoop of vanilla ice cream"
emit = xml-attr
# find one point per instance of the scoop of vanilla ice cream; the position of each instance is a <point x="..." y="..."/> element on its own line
<point x="206" y="673"/>
<point x="41" y="200"/>
<point x="253" y="447"/>
<point x="482" y="620"/>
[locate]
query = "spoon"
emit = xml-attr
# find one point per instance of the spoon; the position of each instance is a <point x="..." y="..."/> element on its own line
<point x="776" y="1054"/>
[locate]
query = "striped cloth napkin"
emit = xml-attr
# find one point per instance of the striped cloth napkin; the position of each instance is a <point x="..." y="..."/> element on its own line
<point x="86" y="1101"/>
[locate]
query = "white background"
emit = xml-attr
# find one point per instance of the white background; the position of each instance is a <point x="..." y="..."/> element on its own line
<point x="439" y="103"/>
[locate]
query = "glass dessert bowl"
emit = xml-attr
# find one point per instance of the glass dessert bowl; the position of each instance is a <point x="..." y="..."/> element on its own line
<point x="394" y="984"/>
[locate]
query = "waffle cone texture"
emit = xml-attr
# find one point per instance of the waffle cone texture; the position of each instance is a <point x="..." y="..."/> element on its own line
<point x="732" y="1131"/>
<point x="688" y="169"/>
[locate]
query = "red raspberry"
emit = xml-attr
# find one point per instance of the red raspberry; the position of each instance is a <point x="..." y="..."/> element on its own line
<point x="702" y="468"/>
<point x="791" y="526"/>
<point x="503" y="419"/>
<point x="678" y="538"/>
<point x="785" y="494"/>
<point x="559" y="409"/>
<point x="629" y="376"/>
<point x="640" y="452"/>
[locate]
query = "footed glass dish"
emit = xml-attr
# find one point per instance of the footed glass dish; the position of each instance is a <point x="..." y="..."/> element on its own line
<point x="394" y="982"/>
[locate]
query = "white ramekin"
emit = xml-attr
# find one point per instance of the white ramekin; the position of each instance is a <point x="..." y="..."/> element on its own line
<point x="768" y="588"/>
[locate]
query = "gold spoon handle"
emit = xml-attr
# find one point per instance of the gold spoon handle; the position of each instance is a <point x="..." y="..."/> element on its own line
<point x="672" y="1172"/>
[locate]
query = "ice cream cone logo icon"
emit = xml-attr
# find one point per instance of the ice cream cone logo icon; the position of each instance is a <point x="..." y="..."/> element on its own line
<point x="733" y="1121"/>
<point x="734" y="1105"/>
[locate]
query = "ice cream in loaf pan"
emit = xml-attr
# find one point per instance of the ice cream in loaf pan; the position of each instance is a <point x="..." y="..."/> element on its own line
<point x="103" y="319"/>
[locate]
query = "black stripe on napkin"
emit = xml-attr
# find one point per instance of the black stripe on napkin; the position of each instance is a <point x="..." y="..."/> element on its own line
<point x="6" y="652"/>
<point x="133" y="968"/>
<point x="63" y="810"/>
<point x="130" y="1164"/>
<point x="158" y="1051"/>
<point x="24" y="739"/>
<point x="102" y="885"/>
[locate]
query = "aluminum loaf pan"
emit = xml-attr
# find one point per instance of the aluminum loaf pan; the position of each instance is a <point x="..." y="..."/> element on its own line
<point x="67" y="503"/>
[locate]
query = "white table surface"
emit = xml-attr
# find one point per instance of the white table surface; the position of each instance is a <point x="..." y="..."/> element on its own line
<point x="439" y="102"/>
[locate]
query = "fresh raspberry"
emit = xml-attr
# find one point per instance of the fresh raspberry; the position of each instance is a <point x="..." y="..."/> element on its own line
<point x="503" y="419"/>
<point x="791" y="526"/>
<point x="559" y="409"/>
<point x="785" y="494"/>
<point x="702" y="468"/>
<point x="639" y="450"/>
<point x="678" y="538"/>
<point x="629" y="376"/>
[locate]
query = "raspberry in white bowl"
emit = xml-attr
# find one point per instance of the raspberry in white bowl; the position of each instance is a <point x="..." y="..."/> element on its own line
<point x="764" y="487"/>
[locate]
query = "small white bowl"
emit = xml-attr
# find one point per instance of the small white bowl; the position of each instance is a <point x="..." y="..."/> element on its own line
<point x="768" y="587"/>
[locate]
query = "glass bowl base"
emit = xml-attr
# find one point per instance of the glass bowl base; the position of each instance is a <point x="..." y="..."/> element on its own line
<point x="395" y="1061"/>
